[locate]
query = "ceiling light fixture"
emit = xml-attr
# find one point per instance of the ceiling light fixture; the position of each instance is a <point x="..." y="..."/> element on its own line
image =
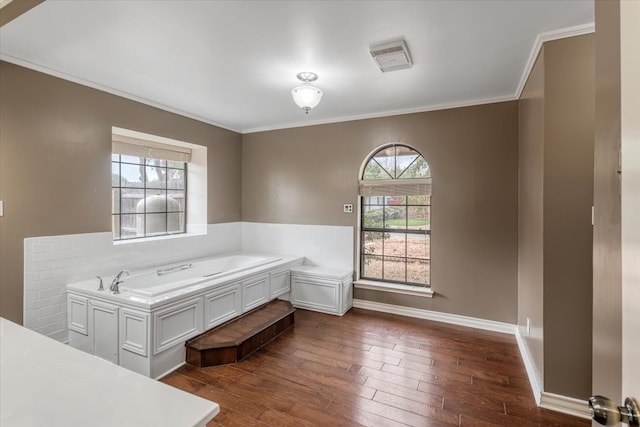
<point x="306" y="96"/>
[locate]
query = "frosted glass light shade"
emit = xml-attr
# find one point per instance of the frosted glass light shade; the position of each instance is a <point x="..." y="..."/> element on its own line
<point x="306" y="96"/>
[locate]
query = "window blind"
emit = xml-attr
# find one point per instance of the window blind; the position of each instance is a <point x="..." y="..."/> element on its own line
<point x="395" y="187"/>
<point x="130" y="146"/>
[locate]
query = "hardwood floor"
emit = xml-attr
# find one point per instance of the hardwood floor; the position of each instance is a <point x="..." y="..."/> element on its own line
<point x="374" y="369"/>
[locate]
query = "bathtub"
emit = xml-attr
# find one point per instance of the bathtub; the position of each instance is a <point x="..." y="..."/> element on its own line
<point x="145" y="326"/>
<point x="172" y="278"/>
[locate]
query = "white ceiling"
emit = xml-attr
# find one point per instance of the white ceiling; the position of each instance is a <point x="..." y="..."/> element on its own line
<point x="233" y="63"/>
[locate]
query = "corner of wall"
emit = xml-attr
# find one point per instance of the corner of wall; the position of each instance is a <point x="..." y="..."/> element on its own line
<point x="535" y="379"/>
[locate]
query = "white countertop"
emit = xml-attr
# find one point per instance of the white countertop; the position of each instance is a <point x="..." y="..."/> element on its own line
<point x="46" y="383"/>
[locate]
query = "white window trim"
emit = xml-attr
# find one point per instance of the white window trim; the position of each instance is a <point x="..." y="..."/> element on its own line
<point x="196" y="187"/>
<point x="396" y="288"/>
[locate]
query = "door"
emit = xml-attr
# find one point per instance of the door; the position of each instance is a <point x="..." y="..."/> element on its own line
<point x="630" y="155"/>
<point x="616" y="302"/>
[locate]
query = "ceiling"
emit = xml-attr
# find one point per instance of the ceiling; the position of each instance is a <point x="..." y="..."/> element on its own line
<point x="234" y="63"/>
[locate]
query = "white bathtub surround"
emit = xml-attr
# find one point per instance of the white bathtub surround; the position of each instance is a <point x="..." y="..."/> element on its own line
<point x="87" y="390"/>
<point x="323" y="245"/>
<point x="52" y="262"/>
<point x="328" y="290"/>
<point x="145" y="326"/>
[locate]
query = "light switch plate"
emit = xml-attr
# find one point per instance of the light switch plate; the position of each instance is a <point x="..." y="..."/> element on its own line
<point x="1" y="207"/>
<point x="347" y="208"/>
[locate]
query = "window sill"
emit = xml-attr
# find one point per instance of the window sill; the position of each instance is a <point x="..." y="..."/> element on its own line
<point x="395" y="288"/>
<point x="192" y="232"/>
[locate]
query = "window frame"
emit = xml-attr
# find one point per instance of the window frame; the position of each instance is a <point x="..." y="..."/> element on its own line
<point x="400" y="184"/>
<point x="196" y="195"/>
<point x="387" y="230"/>
<point x="144" y="165"/>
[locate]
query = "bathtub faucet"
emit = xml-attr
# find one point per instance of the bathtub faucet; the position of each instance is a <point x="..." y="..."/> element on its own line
<point x="114" y="288"/>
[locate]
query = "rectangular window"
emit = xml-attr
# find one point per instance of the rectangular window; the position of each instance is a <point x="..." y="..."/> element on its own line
<point x="149" y="196"/>
<point x="396" y="239"/>
<point x="158" y="187"/>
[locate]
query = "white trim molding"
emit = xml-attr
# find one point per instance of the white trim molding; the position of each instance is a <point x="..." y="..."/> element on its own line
<point x="3" y="3"/>
<point x="541" y="38"/>
<point x="537" y="45"/>
<point x="566" y="405"/>
<point x="388" y="113"/>
<point x="454" y="319"/>
<point x="108" y="89"/>
<point x="396" y="288"/>
<point x="534" y="378"/>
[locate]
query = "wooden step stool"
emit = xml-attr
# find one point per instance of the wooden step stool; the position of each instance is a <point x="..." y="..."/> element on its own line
<point x="238" y="338"/>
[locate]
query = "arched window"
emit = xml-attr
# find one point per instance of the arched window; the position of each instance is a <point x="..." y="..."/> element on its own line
<point x="395" y="221"/>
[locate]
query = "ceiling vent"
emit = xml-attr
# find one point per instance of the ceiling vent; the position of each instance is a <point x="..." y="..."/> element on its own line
<point x="391" y="56"/>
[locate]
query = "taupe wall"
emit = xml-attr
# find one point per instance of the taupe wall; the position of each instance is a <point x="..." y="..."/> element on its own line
<point x="607" y="264"/>
<point x="556" y="194"/>
<point x="568" y="198"/>
<point x="304" y="175"/>
<point x="55" y="150"/>
<point x="530" y="213"/>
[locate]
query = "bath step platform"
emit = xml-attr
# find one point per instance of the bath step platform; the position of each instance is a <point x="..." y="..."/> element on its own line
<point x="237" y="339"/>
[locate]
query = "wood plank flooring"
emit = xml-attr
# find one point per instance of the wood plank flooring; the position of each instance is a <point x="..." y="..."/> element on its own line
<point x="374" y="369"/>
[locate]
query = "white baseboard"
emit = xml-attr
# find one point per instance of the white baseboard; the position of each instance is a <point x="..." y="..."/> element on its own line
<point x="455" y="319"/>
<point x="532" y="372"/>
<point x="544" y="399"/>
<point x="554" y="402"/>
<point x="566" y="405"/>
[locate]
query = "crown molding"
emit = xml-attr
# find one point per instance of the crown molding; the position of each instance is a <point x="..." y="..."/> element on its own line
<point x="539" y="41"/>
<point x="541" y="38"/>
<point x="10" y="9"/>
<point x="390" y="113"/>
<point x="145" y="101"/>
<point x="110" y="90"/>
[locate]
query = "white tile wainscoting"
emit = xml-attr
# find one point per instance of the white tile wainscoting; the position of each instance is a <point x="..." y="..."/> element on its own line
<point x="324" y="245"/>
<point x="53" y="261"/>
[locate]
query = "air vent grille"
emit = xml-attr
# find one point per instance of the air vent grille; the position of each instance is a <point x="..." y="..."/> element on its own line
<point x="392" y="49"/>
<point x="391" y="56"/>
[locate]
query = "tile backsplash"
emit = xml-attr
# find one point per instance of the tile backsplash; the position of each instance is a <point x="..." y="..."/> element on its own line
<point x="324" y="245"/>
<point x="53" y="261"/>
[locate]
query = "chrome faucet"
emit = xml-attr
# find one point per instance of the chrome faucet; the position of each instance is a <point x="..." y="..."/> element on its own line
<point x="114" y="288"/>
